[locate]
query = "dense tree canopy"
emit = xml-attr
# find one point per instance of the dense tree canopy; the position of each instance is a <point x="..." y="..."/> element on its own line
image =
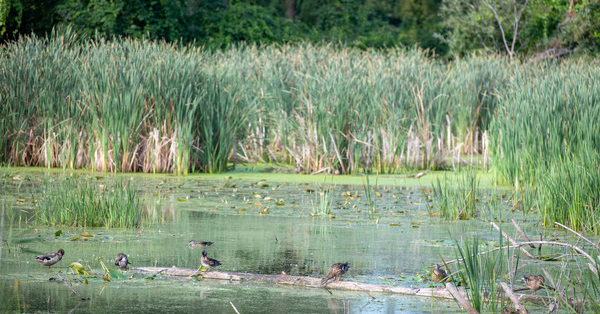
<point x="450" y="27"/>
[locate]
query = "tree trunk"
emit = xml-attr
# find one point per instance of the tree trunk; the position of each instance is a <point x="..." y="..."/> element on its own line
<point x="290" y="9"/>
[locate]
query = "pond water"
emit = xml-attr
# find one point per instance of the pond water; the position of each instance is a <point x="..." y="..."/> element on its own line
<point x="259" y="223"/>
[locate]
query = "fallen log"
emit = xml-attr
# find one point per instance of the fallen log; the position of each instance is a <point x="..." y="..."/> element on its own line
<point x="302" y="281"/>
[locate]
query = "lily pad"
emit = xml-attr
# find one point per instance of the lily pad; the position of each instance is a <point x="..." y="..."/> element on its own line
<point x="114" y="274"/>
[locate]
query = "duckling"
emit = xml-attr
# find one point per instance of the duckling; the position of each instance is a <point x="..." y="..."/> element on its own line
<point x="50" y="258"/>
<point x="122" y="261"/>
<point x="194" y="243"/>
<point x="336" y="270"/>
<point x="534" y="282"/>
<point x="438" y="275"/>
<point x="208" y="262"/>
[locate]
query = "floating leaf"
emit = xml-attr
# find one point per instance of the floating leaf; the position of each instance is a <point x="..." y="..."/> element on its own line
<point x="115" y="274"/>
<point x="263" y="184"/>
<point x="181" y="199"/>
<point x="257" y="196"/>
<point x="264" y="211"/>
<point x="394" y="225"/>
<point x="58" y="233"/>
<point x="75" y="239"/>
<point x="80" y="269"/>
<point x="87" y="234"/>
<point x="267" y="198"/>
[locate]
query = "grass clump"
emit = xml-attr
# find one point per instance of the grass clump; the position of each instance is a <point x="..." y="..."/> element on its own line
<point x="481" y="272"/>
<point x="81" y="203"/>
<point x="457" y="198"/>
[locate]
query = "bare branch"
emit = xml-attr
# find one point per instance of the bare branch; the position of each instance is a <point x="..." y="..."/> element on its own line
<point x="513" y="242"/>
<point x="513" y="298"/>
<point x="460" y="298"/>
<point x="579" y="234"/>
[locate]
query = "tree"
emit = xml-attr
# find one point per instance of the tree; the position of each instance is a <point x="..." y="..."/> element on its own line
<point x="494" y="25"/>
<point x="26" y="16"/>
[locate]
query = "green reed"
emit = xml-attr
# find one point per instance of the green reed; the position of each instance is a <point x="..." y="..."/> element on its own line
<point x="324" y="200"/>
<point x="370" y="193"/>
<point x="547" y="143"/>
<point x="457" y="198"/>
<point x="135" y="105"/>
<point x="481" y="272"/>
<point x="84" y="203"/>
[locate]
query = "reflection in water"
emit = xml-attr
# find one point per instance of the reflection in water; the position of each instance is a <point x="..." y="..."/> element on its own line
<point x="337" y="306"/>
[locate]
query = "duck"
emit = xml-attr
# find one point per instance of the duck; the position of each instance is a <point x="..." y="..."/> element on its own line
<point x="50" y="258"/>
<point x="336" y="270"/>
<point x="122" y="261"/>
<point x="208" y="262"/>
<point x="438" y="275"/>
<point x="194" y="243"/>
<point x="534" y="282"/>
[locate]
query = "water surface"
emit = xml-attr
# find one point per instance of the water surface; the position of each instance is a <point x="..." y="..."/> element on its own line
<point x="257" y="226"/>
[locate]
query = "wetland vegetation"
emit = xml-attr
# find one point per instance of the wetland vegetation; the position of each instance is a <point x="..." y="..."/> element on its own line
<point x="522" y="141"/>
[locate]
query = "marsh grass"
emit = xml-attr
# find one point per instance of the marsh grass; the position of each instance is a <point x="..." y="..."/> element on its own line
<point x="138" y="105"/>
<point x="84" y="203"/>
<point x="481" y="273"/>
<point x="370" y="193"/>
<point x="324" y="201"/>
<point x="457" y="198"/>
<point x="590" y="292"/>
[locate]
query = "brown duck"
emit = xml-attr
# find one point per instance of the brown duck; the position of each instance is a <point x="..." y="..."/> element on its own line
<point x="122" y="261"/>
<point x="438" y="275"/>
<point x="50" y="258"/>
<point x="335" y="272"/>
<point x="534" y="282"/>
<point x="208" y="262"/>
<point x="194" y="243"/>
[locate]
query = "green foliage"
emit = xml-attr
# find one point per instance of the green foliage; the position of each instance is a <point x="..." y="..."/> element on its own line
<point x="580" y="27"/>
<point x="464" y="26"/>
<point x="219" y="23"/>
<point x="471" y="25"/>
<point x="137" y="19"/>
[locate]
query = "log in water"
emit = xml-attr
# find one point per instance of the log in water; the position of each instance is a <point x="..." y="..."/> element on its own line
<point x="302" y="281"/>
